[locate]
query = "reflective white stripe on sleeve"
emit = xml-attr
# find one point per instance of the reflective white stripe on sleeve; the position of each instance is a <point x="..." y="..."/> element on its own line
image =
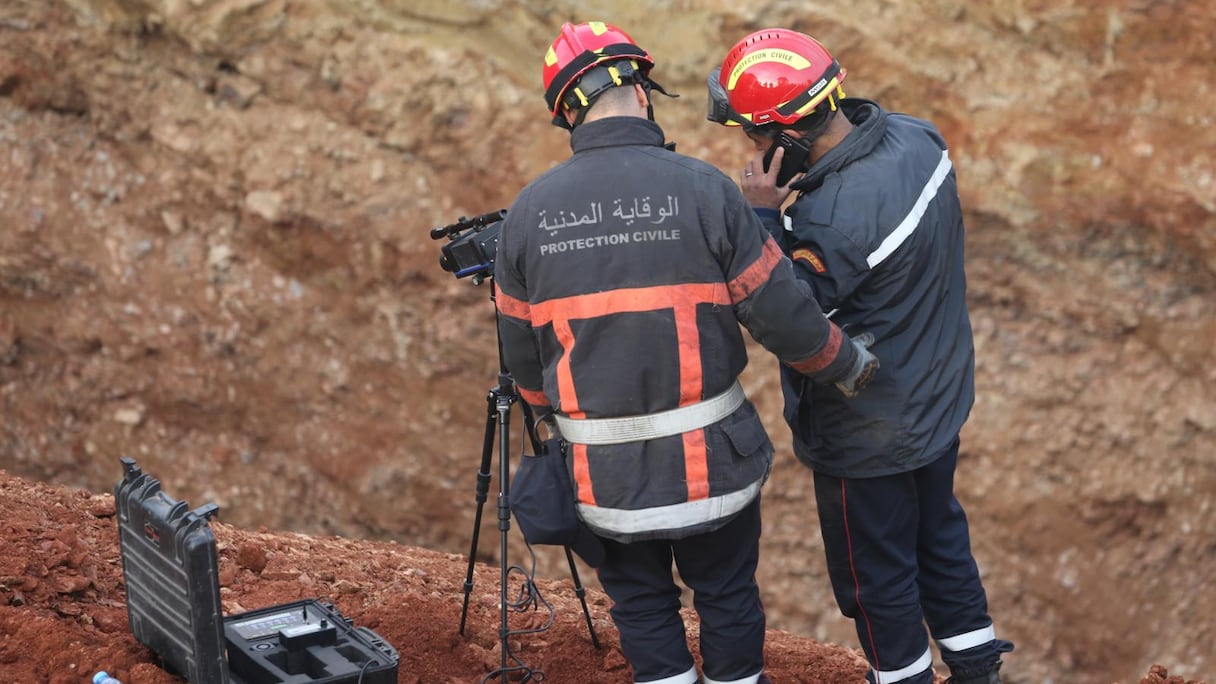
<point x="689" y="677"/>
<point x="966" y="640"/>
<point x="892" y="676"/>
<point x="746" y="680"/>
<point x="905" y="227"/>
<point x="673" y="517"/>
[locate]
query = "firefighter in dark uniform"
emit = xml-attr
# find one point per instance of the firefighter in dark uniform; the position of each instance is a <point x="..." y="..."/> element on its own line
<point x="877" y="231"/>
<point x="623" y="275"/>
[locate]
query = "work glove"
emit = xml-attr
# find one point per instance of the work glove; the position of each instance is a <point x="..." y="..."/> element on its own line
<point x="864" y="366"/>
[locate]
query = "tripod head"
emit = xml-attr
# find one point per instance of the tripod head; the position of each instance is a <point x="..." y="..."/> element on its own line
<point x="470" y="251"/>
<point x="472" y="244"/>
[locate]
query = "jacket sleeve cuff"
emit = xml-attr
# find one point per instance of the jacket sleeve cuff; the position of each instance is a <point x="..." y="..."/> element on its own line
<point x="833" y="362"/>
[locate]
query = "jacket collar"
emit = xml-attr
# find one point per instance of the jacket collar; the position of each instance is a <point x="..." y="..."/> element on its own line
<point x="614" y="131"/>
<point x="869" y="126"/>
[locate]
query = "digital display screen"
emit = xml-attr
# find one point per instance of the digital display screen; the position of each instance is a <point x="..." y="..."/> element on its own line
<point x="269" y="625"/>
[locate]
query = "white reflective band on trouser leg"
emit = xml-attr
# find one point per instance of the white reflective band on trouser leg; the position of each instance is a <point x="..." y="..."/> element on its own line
<point x="689" y="677"/>
<point x="651" y="425"/>
<point x="966" y="640"/>
<point x="892" y="676"/>
<point x="746" y="680"/>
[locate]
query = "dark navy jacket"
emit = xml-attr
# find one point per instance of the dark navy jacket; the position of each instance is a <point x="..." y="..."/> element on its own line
<point x="623" y="275"/>
<point x="877" y="231"/>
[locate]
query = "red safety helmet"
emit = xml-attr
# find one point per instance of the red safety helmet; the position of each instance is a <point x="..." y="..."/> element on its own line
<point x="773" y="76"/>
<point x="580" y="48"/>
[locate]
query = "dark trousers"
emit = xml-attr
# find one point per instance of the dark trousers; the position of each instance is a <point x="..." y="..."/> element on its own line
<point x="719" y="567"/>
<point x="899" y="557"/>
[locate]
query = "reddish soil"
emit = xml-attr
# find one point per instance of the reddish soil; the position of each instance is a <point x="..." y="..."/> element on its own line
<point x="63" y="614"/>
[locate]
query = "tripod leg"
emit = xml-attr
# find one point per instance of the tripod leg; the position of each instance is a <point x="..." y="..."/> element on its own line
<point x="483" y="488"/>
<point x="504" y="513"/>
<point x="581" y="593"/>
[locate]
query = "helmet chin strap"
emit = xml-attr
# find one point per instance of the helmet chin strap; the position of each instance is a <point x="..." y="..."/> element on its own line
<point x="818" y="124"/>
<point x="648" y="85"/>
<point x="579" y="115"/>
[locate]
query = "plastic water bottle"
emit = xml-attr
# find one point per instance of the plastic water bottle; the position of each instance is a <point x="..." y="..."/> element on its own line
<point x="104" y="677"/>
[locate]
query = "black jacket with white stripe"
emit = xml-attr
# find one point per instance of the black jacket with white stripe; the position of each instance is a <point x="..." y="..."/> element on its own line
<point x="877" y="231"/>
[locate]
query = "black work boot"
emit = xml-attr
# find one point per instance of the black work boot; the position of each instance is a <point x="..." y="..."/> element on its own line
<point x="992" y="677"/>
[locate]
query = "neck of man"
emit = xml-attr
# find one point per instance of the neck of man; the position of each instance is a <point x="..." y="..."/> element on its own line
<point x="838" y="129"/>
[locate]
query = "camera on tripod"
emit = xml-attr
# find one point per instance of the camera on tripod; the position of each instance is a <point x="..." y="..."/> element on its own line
<point x="470" y="251"/>
<point x="472" y="244"/>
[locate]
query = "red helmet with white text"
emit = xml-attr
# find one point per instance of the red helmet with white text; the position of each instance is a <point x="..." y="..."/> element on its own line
<point x="773" y="76"/>
<point x="576" y="52"/>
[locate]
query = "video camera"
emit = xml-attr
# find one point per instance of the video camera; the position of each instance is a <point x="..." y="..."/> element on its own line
<point x="470" y="253"/>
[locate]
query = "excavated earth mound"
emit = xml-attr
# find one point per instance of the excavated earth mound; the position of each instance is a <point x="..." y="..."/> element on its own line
<point x="64" y="615"/>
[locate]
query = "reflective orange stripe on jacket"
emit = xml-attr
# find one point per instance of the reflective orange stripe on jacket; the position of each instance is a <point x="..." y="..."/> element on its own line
<point x="683" y="300"/>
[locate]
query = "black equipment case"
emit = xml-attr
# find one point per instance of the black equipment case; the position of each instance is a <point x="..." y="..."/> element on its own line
<point x="173" y="605"/>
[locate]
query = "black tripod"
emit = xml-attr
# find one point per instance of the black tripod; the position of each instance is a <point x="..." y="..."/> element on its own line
<point x="498" y="422"/>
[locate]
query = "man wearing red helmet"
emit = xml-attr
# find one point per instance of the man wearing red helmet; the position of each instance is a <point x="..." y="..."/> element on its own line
<point x="876" y="230"/>
<point x="623" y="275"/>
